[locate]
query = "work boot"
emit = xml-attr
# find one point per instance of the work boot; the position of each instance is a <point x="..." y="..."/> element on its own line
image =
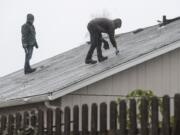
<point x="90" y="61"/>
<point x="29" y="71"/>
<point x="101" y="59"/>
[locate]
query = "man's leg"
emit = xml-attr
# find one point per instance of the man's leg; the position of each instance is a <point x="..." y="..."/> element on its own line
<point x="27" y="67"/>
<point x="30" y="55"/>
<point x="92" y="47"/>
<point x="99" y="51"/>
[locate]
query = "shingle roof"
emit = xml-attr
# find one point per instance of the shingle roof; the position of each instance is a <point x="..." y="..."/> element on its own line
<point x="55" y="75"/>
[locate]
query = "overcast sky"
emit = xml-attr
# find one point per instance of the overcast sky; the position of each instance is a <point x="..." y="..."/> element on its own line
<point x="61" y="24"/>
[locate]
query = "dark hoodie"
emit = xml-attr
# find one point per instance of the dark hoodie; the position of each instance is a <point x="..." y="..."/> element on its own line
<point x="28" y="34"/>
<point x="104" y="25"/>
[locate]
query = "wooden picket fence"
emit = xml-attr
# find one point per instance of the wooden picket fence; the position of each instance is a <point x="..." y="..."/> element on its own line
<point x="67" y="121"/>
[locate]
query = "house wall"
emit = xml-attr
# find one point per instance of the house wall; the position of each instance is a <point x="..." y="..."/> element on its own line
<point x="161" y="74"/>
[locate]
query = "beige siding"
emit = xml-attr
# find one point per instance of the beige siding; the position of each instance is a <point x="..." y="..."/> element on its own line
<point x="162" y="75"/>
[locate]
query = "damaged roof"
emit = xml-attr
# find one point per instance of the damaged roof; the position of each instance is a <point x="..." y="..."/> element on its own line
<point x="67" y="72"/>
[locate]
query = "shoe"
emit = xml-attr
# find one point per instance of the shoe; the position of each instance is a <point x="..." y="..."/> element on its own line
<point x="101" y="59"/>
<point x="29" y="71"/>
<point x="90" y="61"/>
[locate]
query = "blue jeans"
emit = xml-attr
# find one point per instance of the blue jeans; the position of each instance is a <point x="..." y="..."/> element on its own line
<point x="28" y="55"/>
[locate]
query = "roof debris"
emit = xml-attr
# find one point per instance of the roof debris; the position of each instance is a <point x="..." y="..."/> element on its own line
<point x="138" y="30"/>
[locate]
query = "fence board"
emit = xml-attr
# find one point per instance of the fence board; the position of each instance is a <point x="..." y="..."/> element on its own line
<point x="3" y="122"/>
<point x="132" y="117"/>
<point x="155" y="116"/>
<point x="123" y="117"/>
<point x="25" y="120"/>
<point x="76" y="120"/>
<point x="33" y="119"/>
<point x="18" y="122"/>
<point x="166" y="116"/>
<point x="10" y="124"/>
<point x="67" y="119"/>
<point x="177" y="114"/>
<point x="49" y="121"/>
<point x="85" y="119"/>
<point x="113" y="115"/>
<point x="103" y="118"/>
<point x="144" y="116"/>
<point x="58" y="121"/>
<point x="94" y="119"/>
<point x="40" y="122"/>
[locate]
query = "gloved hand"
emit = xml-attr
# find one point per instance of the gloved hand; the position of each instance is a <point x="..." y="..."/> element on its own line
<point x="117" y="51"/>
<point x="24" y="46"/>
<point x="36" y="45"/>
<point x="106" y="45"/>
<point x="26" y="50"/>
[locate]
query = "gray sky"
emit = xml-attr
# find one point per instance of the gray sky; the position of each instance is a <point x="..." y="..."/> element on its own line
<point x="61" y="24"/>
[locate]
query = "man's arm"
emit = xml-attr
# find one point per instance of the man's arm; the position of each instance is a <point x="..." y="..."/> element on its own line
<point x="24" y="32"/>
<point x="36" y="45"/>
<point x="106" y="44"/>
<point x="113" y="41"/>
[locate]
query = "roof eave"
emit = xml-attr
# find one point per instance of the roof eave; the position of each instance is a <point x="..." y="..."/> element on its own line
<point x="25" y="100"/>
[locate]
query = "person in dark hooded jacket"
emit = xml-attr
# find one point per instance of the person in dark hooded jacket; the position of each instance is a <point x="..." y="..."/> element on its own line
<point x="28" y="42"/>
<point x="96" y="27"/>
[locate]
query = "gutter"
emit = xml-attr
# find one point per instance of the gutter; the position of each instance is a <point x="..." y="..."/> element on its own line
<point x="25" y="100"/>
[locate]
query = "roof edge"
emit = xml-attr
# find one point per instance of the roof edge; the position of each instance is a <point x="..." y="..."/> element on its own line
<point x="25" y="100"/>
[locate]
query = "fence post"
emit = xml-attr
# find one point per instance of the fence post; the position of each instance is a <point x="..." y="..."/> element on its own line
<point x="177" y="114"/>
<point x="18" y="122"/>
<point x="132" y="117"/>
<point x="144" y="116"/>
<point x="166" y="116"/>
<point x="76" y="120"/>
<point x="10" y="124"/>
<point x="113" y="117"/>
<point x="85" y="119"/>
<point x="25" y="120"/>
<point x="49" y="121"/>
<point x="1" y="126"/>
<point x="103" y="118"/>
<point x="67" y="119"/>
<point x="94" y="118"/>
<point x="123" y="117"/>
<point x="155" y="116"/>
<point x="33" y="119"/>
<point x="3" y="122"/>
<point x="58" y="121"/>
<point x="40" y="122"/>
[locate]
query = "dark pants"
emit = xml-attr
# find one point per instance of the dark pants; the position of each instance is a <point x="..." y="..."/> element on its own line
<point x="96" y="42"/>
<point x="28" y="56"/>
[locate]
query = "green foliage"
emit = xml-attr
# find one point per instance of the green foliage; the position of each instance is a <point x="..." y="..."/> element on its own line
<point x="140" y="93"/>
<point x="137" y="95"/>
